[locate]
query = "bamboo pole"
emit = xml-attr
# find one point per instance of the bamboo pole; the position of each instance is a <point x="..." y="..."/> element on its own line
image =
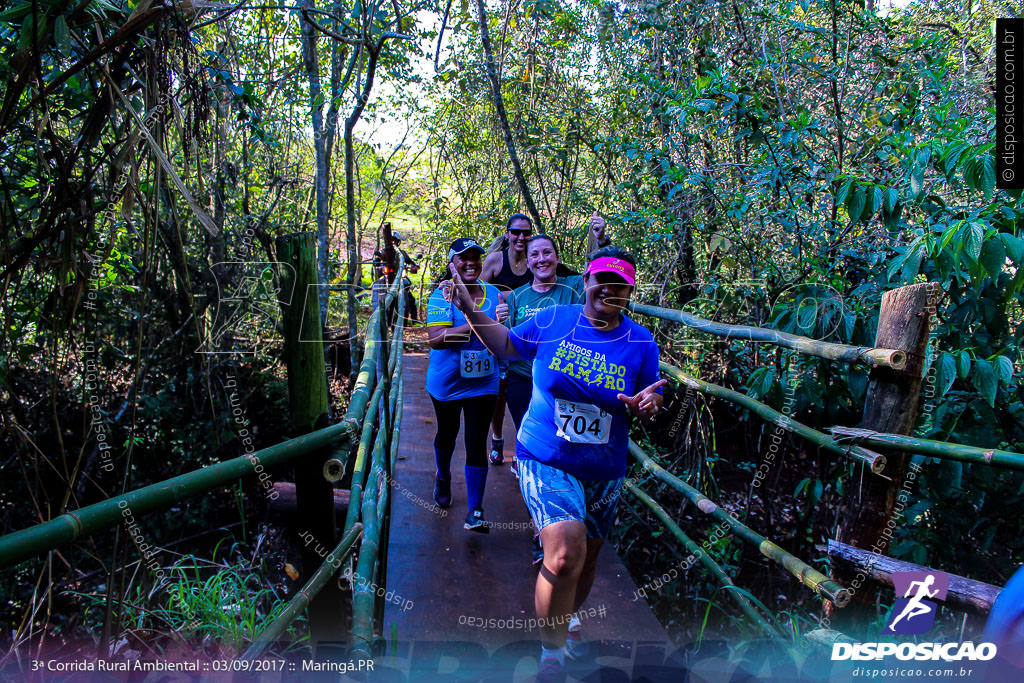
<point x="396" y="393"/>
<point x="696" y="552"/>
<point x="18" y="546"/>
<point x="363" y="593"/>
<point x="875" y="461"/>
<point x="21" y="545"/>
<point x="808" y="575"/>
<point x="366" y="377"/>
<point x="359" y="468"/>
<point x="371" y="569"/>
<point x="826" y="638"/>
<point x="332" y="563"/>
<point x="866" y="355"/>
<point x="936" y="449"/>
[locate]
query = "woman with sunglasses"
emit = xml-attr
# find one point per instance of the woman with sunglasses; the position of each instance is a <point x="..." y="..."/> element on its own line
<point x="592" y="366"/>
<point x="508" y="270"/>
<point x="462" y="378"/>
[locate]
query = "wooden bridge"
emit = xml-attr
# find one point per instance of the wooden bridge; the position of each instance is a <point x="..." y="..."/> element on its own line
<point x="427" y="600"/>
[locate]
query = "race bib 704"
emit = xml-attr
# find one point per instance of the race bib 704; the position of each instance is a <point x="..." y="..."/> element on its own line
<point x="581" y="422"/>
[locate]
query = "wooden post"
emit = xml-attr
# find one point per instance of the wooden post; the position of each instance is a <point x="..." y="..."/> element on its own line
<point x="969" y="595"/>
<point x="307" y="403"/>
<point x="891" y="406"/>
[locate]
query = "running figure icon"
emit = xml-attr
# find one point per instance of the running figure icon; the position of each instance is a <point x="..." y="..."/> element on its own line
<point x="914" y="607"/>
<point x="917" y="598"/>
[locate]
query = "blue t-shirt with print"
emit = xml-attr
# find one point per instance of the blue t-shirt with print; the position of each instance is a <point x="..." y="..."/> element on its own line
<point x="466" y="370"/>
<point x="525" y="302"/>
<point x="575" y="421"/>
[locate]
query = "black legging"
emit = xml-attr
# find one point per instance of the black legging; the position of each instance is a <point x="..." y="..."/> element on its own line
<point x="478" y="410"/>
<point x="517" y="396"/>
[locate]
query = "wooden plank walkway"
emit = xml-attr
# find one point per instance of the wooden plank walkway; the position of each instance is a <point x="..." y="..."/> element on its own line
<point x="461" y="601"/>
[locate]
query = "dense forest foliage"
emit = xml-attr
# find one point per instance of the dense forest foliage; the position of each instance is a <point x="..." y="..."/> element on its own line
<point x="769" y="162"/>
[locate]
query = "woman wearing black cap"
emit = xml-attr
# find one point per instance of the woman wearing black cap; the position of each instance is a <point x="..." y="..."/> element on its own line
<point x="462" y="379"/>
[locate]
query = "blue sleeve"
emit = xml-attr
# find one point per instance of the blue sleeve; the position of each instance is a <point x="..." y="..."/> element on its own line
<point x="439" y="311"/>
<point x="650" y="371"/>
<point x="526" y="336"/>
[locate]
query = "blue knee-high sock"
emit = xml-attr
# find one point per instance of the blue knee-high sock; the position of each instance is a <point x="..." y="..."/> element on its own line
<point x="444" y="464"/>
<point x="476" y="480"/>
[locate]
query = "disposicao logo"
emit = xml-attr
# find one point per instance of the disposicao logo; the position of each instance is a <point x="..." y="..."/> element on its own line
<point x="914" y="613"/>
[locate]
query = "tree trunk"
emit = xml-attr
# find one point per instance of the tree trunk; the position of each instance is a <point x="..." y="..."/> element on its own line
<point x="499" y="107"/>
<point x="311" y="62"/>
<point x="354" y="255"/>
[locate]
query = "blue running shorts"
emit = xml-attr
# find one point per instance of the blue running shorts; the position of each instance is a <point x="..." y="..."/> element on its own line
<point x="552" y="495"/>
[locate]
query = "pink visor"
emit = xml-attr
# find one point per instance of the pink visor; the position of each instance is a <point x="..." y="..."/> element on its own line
<point x="610" y="264"/>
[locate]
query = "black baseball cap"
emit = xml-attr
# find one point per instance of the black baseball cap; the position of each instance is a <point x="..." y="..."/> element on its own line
<point x="462" y="245"/>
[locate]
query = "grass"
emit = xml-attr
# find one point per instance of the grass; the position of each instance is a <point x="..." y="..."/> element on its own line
<point x="201" y="603"/>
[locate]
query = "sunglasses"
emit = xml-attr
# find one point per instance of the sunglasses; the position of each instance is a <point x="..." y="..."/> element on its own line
<point x="519" y="232"/>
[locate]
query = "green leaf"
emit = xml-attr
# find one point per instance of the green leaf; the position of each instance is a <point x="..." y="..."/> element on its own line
<point x="993" y="256"/>
<point x="968" y="172"/>
<point x="876" y="201"/>
<point x="844" y="191"/>
<point x="987" y="175"/>
<point x="62" y="35"/>
<point x="892" y="195"/>
<point x="916" y="181"/>
<point x="984" y="378"/>
<point x="1014" y="248"/>
<point x="947" y="236"/>
<point x="913" y="265"/>
<point x="972" y="235"/>
<point x="963" y="364"/>
<point x="855" y="203"/>
<point x="1005" y="366"/>
<point x="945" y="374"/>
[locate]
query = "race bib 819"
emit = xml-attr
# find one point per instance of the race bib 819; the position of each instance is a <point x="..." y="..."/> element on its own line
<point x="474" y="364"/>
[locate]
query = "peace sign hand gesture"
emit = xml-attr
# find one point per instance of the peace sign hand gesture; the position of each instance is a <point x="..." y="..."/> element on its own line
<point x="646" y="402"/>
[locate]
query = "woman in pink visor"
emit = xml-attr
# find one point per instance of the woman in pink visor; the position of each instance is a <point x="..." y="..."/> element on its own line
<point x="592" y="367"/>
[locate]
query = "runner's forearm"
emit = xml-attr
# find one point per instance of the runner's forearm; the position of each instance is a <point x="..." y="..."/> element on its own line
<point x="447" y="337"/>
<point x="493" y="334"/>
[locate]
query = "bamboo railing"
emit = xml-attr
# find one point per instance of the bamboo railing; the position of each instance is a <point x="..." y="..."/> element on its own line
<point x="865" y="355"/>
<point x="375" y="507"/>
<point x="806" y="574"/>
<point x="21" y="545"/>
<point x="18" y="546"/>
<point x="698" y="553"/>
<point x="935" y="449"/>
<point x="300" y="601"/>
<point x="875" y="461"/>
